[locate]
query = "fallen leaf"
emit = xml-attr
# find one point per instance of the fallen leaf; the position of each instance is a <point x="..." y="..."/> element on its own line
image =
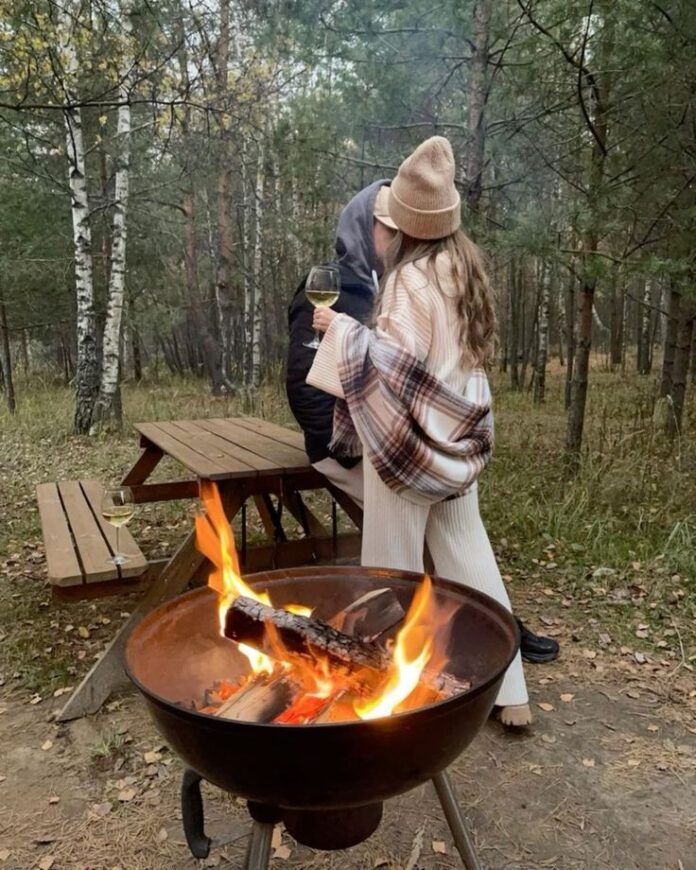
<point x="83" y="632"/>
<point x="152" y="757"/>
<point x="548" y="738"/>
<point x="36" y="699"/>
<point x="46" y="862"/>
<point x="282" y="852"/>
<point x="545" y="706"/>
<point x="439" y="847"/>
<point x="54" y="799"/>
<point x="640" y="658"/>
<point x="46" y="745"/>
<point x="4" y="854"/>
<point x="588" y="762"/>
<point x="653" y="727"/>
<point x="589" y="653"/>
<point x="126" y="794"/>
<point x="567" y="697"/>
<point x="162" y="835"/>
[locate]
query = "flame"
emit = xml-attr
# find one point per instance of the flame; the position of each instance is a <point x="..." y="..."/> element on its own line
<point x="365" y="694"/>
<point x="413" y="648"/>
<point x="215" y="540"/>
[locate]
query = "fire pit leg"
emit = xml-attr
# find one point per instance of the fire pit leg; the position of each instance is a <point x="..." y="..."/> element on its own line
<point x="258" y="854"/>
<point x="455" y="820"/>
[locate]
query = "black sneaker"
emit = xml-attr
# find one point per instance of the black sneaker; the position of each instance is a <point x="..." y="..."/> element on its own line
<point x="536" y="648"/>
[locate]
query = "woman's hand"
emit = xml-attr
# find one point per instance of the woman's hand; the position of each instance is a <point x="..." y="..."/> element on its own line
<point x="322" y="318"/>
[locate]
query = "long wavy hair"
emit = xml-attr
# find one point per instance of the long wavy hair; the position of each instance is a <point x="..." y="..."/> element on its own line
<point x="468" y="279"/>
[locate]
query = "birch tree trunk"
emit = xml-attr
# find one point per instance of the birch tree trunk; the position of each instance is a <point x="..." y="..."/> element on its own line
<point x="108" y="405"/>
<point x="6" y="360"/>
<point x="543" y="337"/>
<point x="87" y="367"/>
<point x="258" y="278"/>
<point x="225" y="243"/>
<point x="643" y="357"/>
<point x="247" y="277"/>
<point x="478" y="96"/>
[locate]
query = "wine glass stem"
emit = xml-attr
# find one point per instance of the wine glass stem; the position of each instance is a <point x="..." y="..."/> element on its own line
<point x="317" y="336"/>
<point x="118" y="540"/>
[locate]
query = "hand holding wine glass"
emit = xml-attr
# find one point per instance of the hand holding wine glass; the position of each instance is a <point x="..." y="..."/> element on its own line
<point x="117" y="508"/>
<point x="322" y="289"/>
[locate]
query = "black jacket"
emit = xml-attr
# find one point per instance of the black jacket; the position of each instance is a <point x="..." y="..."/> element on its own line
<point x="356" y="259"/>
<point x="313" y="408"/>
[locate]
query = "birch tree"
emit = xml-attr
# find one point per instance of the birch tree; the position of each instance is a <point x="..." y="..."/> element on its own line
<point x="87" y="365"/>
<point x="108" y="403"/>
<point x="543" y="337"/>
<point x="257" y="305"/>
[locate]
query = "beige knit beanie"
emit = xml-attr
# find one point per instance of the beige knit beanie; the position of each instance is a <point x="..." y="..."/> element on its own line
<point x="423" y="201"/>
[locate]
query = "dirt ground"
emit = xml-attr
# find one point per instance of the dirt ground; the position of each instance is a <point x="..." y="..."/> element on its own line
<point x="605" y="779"/>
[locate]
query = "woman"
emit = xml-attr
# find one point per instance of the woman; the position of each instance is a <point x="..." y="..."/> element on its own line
<point x="416" y="396"/>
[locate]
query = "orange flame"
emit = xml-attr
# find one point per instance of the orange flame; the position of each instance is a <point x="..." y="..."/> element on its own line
<point x="419" y="642"/>
<point x="214" y="538"/>
<point x="413" y="648"/>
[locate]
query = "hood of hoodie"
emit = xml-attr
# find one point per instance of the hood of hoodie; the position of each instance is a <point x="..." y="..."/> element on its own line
<point x="355" y="243"/>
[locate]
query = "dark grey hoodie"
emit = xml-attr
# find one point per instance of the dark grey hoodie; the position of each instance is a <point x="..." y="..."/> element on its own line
<point x="355" y="244"/>
<point x="356" y="258"/>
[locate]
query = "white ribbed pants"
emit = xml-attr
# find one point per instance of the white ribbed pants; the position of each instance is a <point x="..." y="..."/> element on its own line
<point x="394" y="533"/>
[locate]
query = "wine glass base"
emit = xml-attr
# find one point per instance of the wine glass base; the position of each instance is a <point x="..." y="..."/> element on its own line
<point x="313" y="344"/>
<point x="118" y="559"/>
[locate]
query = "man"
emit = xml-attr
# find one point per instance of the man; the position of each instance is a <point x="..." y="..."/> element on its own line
<point x="364" y="231"/>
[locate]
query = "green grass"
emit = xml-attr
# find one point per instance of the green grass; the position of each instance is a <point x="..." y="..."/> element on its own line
<point x="625" y="522"/>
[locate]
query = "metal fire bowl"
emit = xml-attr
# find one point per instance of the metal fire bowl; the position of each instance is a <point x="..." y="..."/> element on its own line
<point x="177" y="652"/>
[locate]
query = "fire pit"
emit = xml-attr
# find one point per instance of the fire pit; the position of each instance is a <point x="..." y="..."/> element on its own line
<point x="318" y="693"/>
<point x="309" y="775"/>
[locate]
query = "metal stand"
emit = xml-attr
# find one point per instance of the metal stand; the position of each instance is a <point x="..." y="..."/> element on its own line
<point x="455" y="820"/>
<point x="258" y="856"/>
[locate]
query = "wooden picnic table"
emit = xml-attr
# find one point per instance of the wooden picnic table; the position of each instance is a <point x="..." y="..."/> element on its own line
<point x="250" y="460"/>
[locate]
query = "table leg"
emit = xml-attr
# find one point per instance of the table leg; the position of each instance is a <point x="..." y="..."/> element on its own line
<point x="144" y="466"/>
<point x="107" y="674"/>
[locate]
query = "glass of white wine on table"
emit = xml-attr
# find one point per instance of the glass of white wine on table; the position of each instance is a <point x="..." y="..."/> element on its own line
<point x="323" y="288"/>
<point x="117" y="507"/>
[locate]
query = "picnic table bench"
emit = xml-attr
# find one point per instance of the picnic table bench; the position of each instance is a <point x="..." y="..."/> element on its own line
<point x="249" y="459"/>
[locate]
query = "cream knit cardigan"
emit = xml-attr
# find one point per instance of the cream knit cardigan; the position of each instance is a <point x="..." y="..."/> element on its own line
<point x="415" y="313"/>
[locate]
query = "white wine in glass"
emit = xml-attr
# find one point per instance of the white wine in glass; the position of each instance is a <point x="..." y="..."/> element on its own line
<point x="323" y="288"/>
<point x="117" y="508"/>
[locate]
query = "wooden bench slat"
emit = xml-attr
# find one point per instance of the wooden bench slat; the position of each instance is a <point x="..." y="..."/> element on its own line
<point x="137" y="563"/>
<point x="170" y="440"/>
<point x="64" y="568"/>
<point x="234" y="456"/>
<point x="93" y="551"/>
<point x="283" y="456"/>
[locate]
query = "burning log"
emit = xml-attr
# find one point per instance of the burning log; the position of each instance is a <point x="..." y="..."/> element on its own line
<point x="260" y="700"/>
<point x="265" y="698"/>
<point x="371" y="616"/>
<point x="246" y="622"/>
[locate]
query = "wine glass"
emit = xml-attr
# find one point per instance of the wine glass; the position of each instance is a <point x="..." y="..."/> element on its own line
<point x="322" y="289"/>
<point x="117" y="507"/>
